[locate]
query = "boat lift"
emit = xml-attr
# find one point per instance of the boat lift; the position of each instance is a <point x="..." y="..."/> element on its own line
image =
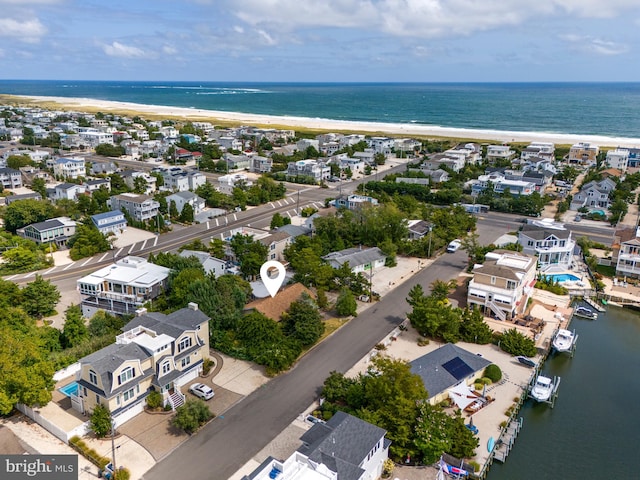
<point x="574" y="343"/>
<point x="554" y="392"/>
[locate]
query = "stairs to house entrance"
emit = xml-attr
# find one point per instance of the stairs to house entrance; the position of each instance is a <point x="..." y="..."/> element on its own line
<point x="494" y="308"/>
<point x="176" y="399"/>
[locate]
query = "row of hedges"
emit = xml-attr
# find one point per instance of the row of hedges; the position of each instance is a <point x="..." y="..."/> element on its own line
<point x="94" y="457"/>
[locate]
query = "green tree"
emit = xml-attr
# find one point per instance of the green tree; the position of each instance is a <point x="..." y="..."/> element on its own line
<point x="187" y="215"/>
<point x="250" y="253"/>
<point x="74" y="331"/>
<point x="103" y="323"/>
<point x="87" y="241"/>
<point x="100" y="420"/>
<point x="18" y="161"/>
<point x="217" y="248"/>
<point x="25" y="212"/>
<point x="346" y="303"/>
<point x="190" y="416"/>
<point x="26" y="375"/>
<point x="303" y="321"/>
<point x="108" y="150"/>
<point x="39" y="185"/>
<point x="441" y="289"/>
<point x="173" y="211"/>
<point x="140" y="185"/>
<point x="515" y="343"/>
<point x="276" y="221"/>
<point x="40" y="297"/>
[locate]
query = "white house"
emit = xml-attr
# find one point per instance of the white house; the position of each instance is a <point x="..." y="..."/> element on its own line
<point x="110" y="222"/>
<point x="183" y="198"/>
<point x="499" y="152"/>
<point x="618" y="158"/>
<point x="69" y="167"/>
<point x="140" y="207"/>
<point x="359" y="259"/>
<point x="211" y="265"/>
<point x="227" y="183"/>
<point x="551" y="242"/>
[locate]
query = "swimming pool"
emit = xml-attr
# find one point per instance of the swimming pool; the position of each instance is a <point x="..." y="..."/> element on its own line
<point x="69" y="389"/>
<point x="563" y="277"/>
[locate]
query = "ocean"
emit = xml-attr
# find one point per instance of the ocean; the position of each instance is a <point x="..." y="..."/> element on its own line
<point x="609" y="109"/>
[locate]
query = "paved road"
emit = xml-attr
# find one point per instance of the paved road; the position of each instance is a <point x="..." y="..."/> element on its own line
<point x="226" y="444"/>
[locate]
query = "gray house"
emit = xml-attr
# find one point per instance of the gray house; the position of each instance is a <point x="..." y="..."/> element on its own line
<point x="210" y="264"/>
<point x="358" y="259"/>
<point x="447" y="367"/>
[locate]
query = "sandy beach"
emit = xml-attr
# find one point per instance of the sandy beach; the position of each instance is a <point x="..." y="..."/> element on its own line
<point x="397" y="129"/>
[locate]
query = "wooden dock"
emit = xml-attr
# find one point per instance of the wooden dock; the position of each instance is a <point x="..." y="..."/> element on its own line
<point x="594" y="304"/>
<point x="507" y="439"/>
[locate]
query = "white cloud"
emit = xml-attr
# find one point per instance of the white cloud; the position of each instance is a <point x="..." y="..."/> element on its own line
<point x="28" y="31"/>
<point x="418" y="18"/>
<point x="117" y="49"/>
<point x="267" y="39"/>
<point x="169" y="50"/>
<point x="238" y="29"/>
<point x="595" y="45"/>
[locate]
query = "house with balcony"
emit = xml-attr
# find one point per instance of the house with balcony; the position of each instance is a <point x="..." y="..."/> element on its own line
<point x="65" y="191"/>
<point x="618" y="158"/>
<point x="260" y="164"/>
<point x="626" y="249"/>
<point x="103" y="167"/>
<point x="343" y="448"/>
<point x="110" y="222"/>
<point x="10" y="178"/>
<point x="382" y="145"/>
<point x="183" y="198"/>
<point x="313" y="169"/>
<point x="499" y="184"/>
<point x="583" y="153"/>
<point x="140" y="207"/>
<point x="155" y="352"/>
<point x="500" y="152"/>
<point x="551" y="242"/>
<point x="69" y="167"/>
<point x="122" y="287"/>
<point x="56" y="230"/>
<point x="359" y="259"/>
<point x="503" y="284"/>
<point x="542" y="150"/>
<point x="594" y="195"/>
<point x="130" y="177"/>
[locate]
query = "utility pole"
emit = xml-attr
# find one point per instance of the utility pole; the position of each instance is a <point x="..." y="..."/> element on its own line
<point x="113" y="447"/>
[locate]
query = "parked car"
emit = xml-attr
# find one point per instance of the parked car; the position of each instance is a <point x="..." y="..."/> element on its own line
<point x="454" y="245"/>
<point x="202" y="391"/>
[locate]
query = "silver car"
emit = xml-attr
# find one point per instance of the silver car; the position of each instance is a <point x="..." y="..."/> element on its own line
<point x="202" y="391"/>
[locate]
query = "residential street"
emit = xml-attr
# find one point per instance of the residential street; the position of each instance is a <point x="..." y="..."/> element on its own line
<point x="228" y="442"/>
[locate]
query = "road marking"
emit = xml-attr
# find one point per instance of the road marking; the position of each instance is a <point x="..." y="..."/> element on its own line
<point x="222" y="236"/>
<point x="217" y="224"/>
<point x="12" y="277"/>
<point x="49" y="271"/>
<point x="103" y="257"/>
<point x="155" y="242"/>
<point x="144" y="243"/>
<point x="131" y="249"/>
<point x="208" y="224"/>
<point x="120" y="251"/>
<point x="235" y="217"/>
<point x="88" y="260"/>
<point x="69" y="266"/>
<point x="30" y="275"/>
<point x="288" y="214"/>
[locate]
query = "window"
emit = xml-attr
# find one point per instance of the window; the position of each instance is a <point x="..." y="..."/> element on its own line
<point x="184" y="344"/>
<point x="493" y="280"/>
<point x="186" y="361"/>
<point x="93" y="378"/>
<point x="166" y="367"/>
<point x="511" y="285"/>
<point x="129" y="394"/>
<point x="126" y="375"/>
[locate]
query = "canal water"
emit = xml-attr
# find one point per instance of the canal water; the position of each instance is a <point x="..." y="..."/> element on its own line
<point x="593" y="431"/>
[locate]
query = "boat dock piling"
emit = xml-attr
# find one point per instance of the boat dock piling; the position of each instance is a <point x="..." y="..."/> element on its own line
<point x="506" y="440"/>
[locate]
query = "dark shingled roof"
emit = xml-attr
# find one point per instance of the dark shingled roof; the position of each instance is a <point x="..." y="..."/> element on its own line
<point x="341" y="444"/>
<point x="109" y="358"/>
<point x="540" y="233"/>
<point x="437" y="378"/>
<point x="173" y="324"/>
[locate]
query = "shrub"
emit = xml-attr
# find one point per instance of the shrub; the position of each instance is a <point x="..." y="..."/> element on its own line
<point x="100" y="421"/>
<point x="475" y="465"/>
<point x="493" y="372"/>
<point x="515" y="343"/>
<point x="207" y="365"/>
<point x="190" y="416"/>
<point x="154" y="400"/>
<point x="94" y="457"/>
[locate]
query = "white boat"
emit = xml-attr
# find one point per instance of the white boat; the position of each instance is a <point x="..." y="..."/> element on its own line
<point x="585" y="312"/>
<point x="542" y="389"/>
<point x="563" y="340"/>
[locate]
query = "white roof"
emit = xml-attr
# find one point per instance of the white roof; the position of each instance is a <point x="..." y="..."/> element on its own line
<point x="130" y="270"/>
<point x="153" y="343"/>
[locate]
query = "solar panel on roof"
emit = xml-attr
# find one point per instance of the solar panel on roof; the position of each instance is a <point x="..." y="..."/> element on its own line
<point x="458" y="368"/>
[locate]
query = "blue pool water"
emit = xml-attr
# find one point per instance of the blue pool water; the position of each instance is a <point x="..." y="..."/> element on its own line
<point x="70" y="389"/>
<point x="563" y="277"/>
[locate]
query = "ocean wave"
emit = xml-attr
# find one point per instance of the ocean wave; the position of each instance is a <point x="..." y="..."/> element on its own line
<point x="242" y="91"/>
<point x="214" y="90"/>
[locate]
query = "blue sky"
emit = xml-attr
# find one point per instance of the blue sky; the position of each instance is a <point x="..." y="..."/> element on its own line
<point x="325" y="40"/>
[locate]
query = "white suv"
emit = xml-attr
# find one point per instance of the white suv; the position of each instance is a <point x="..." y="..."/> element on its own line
<point x="454" y="245"/>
